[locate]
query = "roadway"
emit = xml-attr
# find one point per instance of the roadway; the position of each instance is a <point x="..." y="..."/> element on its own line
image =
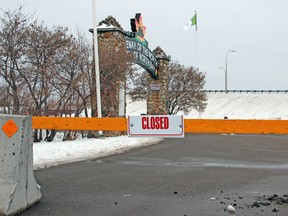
<point x="199" y="175"/>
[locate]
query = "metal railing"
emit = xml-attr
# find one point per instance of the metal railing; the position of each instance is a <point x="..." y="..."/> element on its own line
<point x="248" y="91"/>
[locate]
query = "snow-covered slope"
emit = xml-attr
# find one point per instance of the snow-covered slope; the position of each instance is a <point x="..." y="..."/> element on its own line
<point x="135" y="108"/>
<point x="233" y="105"/>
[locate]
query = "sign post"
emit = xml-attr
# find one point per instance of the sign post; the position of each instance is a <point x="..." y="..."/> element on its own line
<point x="167" y="126"/>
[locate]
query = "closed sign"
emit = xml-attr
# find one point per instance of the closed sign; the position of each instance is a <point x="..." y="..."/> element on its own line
<point x="156" y="125"/>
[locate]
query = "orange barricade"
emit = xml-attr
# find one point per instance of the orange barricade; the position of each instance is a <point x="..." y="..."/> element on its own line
<point x="191" y="125"/>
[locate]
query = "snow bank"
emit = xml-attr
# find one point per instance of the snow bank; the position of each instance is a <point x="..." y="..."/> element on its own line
<point x="232" y="105"/>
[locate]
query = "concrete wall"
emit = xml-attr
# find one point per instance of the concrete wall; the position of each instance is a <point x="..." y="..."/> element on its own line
<point x="18" y="187"/>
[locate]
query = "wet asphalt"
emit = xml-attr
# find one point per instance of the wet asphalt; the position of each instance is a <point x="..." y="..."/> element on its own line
<point x="199" y="175"/>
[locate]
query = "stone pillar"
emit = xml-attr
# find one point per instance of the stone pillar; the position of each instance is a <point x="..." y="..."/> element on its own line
<point x="18" y="187"/>
<point x="112" y="39"/>
<point x="158" y="88"/>
<point x="113" y="95"/>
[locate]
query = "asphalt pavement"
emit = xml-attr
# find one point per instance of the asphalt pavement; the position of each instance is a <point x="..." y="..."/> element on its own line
<point x="199" y="175"/>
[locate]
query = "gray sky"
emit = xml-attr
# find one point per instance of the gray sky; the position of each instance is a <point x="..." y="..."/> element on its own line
<point x="256" y="29"/>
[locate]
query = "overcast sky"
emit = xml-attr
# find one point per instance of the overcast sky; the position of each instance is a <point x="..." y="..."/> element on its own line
<point x="256" y="29"/>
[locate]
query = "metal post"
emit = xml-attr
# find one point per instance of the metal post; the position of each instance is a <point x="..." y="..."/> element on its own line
<point x="226" y="91"/>
<point x="224" y="75"/>
<point x="96" y="59"/>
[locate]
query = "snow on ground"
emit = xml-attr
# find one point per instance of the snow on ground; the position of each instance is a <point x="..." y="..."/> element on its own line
<point x="58" y="152"/>
<point x="235" y="106"/>
<point x="135" y="108"/>
<point x="245" y="106"/>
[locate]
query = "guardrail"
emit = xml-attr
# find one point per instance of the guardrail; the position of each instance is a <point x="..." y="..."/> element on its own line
<point x="247" y="91"/>
<point x="191" y="125"/>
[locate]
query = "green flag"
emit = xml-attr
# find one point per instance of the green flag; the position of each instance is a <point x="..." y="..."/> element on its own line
<point x="194" y="20"/>
<point x="191" y="22"/>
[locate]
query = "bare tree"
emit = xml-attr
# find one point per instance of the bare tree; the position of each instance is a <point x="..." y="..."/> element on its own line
<point x="137" y="84"/>
<point x="43" y="46"/>
<point x="12" y="49"/>
<point x="72" y="79"/>
<point x="85" y="61"/>
<point x="185" y="88"/>
<point x="4" y="99"/>
<point x="43" y="71"/>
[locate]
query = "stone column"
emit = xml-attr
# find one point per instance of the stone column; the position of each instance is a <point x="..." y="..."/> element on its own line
<point x="158" y="88"/>
<point x="113" y="40"/>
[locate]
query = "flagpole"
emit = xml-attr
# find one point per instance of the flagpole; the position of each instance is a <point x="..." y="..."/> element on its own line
<point x="96" y="62"/>
<point x="196" y="29"/>
<point x="196" y="49"/>
<point x="191" y="22"/>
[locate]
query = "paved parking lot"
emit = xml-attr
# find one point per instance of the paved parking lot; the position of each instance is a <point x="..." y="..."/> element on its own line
<point x="199" y="175"/>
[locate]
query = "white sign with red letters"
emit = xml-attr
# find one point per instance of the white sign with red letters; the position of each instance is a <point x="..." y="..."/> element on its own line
<point x="156" y="125"/>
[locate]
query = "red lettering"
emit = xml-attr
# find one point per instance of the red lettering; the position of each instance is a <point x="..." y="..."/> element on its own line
<point x="155" y="123"/>
<point x="166" y="122"/>
<point x="144" y="123"/>
<point x="152" y="122"/>
<point x="161" y="122"/>
<point x="148" y="123"/>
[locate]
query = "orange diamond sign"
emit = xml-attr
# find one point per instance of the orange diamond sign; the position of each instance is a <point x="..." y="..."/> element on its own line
<point x="10" y="128"/>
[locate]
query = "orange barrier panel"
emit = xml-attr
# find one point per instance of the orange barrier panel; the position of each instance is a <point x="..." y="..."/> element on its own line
<point x="191" y="125"/>
<point x="236" y="126"/>
<point x="68" y="123"/>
